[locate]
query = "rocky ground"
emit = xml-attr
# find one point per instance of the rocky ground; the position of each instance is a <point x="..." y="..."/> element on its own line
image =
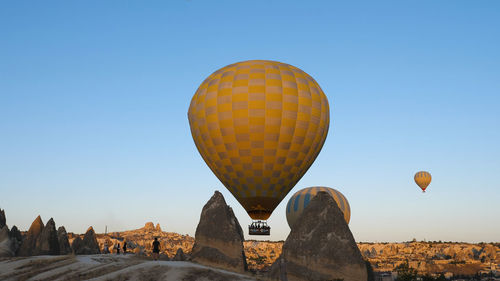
<point x="434" y="257"/>
<point x="139" y="241"/>
<point x="426" y="257"/>
<point x="108" y="267"/>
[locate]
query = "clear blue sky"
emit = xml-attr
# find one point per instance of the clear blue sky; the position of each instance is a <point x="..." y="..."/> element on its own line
<point x="94" y="98"/>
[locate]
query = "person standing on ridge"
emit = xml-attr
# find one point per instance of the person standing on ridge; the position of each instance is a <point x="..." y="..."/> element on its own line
<point x="156" y="249"/>
<point x="117" y="247"/>
<point x="124" y="247"/>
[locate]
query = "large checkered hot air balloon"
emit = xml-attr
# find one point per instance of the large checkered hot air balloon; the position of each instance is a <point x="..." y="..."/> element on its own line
<point x="259" y="126"/>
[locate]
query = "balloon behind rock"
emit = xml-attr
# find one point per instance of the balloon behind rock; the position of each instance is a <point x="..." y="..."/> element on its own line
<point x="300" y="200"/>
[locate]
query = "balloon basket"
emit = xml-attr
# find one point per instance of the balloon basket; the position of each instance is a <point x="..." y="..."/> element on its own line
<point x="259" y="228"/>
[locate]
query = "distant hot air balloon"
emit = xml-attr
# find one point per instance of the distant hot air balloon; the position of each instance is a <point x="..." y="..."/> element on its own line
<point x="423" y="179"/>
<point x="299" y="201"/>
<point x="259" y="126"/>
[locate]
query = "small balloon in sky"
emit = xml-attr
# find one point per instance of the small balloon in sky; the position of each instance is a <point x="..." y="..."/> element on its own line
<point x="423" y="179"/>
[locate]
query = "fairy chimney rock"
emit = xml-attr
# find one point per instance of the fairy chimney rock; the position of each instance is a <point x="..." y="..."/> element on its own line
<point x="29" y="242"/>
<point x="62" y="237"/>
<point x="320" y="246"/>
<point x="6" y="243"/>
<point x="219" y="237"/>
<point x="88" y="245"/>
<point x="3" y="220"/>
<point x="47" y="243"/>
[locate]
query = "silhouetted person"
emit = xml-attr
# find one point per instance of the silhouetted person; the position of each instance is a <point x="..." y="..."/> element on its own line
<point x="124" y="248"/>
<point x="106" y="247"/>
<point x="156" y="249"/>
<point x="117" y="247"/>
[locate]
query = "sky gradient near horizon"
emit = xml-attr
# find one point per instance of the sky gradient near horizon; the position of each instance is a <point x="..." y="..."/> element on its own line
<point x="94" y="98"/>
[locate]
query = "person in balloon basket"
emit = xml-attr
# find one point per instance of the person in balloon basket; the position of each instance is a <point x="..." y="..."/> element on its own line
<point x="156" y="249"/>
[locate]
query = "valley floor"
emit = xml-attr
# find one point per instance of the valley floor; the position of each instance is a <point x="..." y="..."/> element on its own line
<point x="108" y="267"/>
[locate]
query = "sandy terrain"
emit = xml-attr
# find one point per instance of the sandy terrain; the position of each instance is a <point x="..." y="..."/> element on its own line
<point x="108" y="267"/>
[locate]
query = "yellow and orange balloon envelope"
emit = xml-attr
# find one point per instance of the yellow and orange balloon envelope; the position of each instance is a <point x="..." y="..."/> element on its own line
<point x="423" y="179"/>
<point x="299" y="201"/>
<point x="259" y="126"/>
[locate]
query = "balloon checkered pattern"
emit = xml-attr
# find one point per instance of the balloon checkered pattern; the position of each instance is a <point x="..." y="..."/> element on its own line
<point x="259" y="126"/>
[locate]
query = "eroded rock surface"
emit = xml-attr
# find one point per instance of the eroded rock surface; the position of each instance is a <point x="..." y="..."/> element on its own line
<point x="28" y="246"/>
<point x="88" y="245"/>
<point x="3" y="220"/>
<point x="320" y="246"/>
<point x="180" y="256"/>
<point x="62" y="238"/>
<point x="219" y="237"/>
<point x="6" y="243"/>
<point x="16" y="237"/>
<point x="47" y="243"/>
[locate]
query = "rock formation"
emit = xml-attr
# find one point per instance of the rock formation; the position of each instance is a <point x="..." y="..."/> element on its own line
<point x="3" y="220"/>
<point x="149" y="226"/>
<point x="15" y="233"/>
<point x="76" y="245"/>
<point x="320" y="246"/>
<point x="47" y="243"/>
<point x="143" y="239"/>
<point x="180" y="256"/>
<point x="6" y="243"/>
<point x="88" y="245"/>
<point x="28" y="246"/>
<point x="158" y="228"/>
<point x="219" y="237"/>
<point x="62" y="238"/>
<point x="16" y="237"/>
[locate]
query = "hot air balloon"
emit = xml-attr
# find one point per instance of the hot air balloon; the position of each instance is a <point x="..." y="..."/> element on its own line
<point x="299" y="201"/>
<point x="423" y="179"/>
<point x="259" y="126"/>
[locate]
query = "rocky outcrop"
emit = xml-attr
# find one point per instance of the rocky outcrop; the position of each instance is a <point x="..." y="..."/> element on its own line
<point x="16" y="237"/>
<point x="76" y="245"/>
<point x="219" y="237"/>
<point x="88" y="245"/>
<point x="180" y="256"/>
<point x="6" y="243"/>
<point x="62" y="238"/>
<point x="28" y="246"/>
<point x="149" y="226"/>
<point x="3" y="220"/>
<point x="142" y="240"/>
<point x="320" y="246"/>
<point x="261" y="254"/>
<point x="48" y="243"/>
<point x="158" y="228"/>
<point x="16" y="234"/>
